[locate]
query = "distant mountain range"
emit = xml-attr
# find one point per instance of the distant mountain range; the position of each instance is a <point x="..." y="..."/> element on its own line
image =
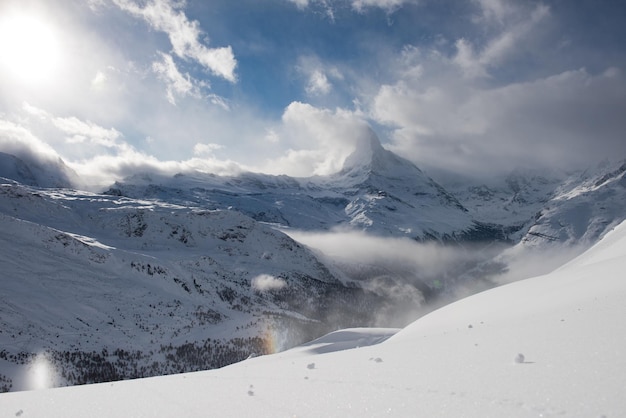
<point x="376" y="191"/>
<point x="162" y="274"/>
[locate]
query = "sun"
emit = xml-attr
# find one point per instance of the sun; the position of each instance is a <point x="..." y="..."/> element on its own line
<point x="29" y="48"/>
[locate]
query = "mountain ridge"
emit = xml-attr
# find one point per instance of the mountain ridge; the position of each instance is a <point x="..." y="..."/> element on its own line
<point x="376" y="191"/>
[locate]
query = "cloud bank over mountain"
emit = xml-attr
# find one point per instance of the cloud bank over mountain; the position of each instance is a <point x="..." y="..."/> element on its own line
<point x="474" y="87"/>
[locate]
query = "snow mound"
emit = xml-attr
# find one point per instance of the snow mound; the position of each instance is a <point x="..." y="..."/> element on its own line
<point x="346" y="339"/>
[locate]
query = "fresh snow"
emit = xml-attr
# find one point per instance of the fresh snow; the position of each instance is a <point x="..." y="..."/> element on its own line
<point x="548" y="346"/>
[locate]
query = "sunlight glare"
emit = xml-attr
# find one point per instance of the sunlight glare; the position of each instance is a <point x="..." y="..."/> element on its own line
<point x="41" y="373"/>
<point x="29" y="48"/>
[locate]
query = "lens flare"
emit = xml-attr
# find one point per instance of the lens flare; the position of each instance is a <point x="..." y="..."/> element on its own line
<point x="41" y="373"/>
<point x="274" y="340"/>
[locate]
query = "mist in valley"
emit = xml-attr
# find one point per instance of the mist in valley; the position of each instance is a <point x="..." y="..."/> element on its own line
<point x="412" y="278"/>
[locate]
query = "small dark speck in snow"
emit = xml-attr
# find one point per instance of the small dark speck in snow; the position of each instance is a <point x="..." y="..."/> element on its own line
<point x="310" y="366"/>
<point x="19" y="413"/>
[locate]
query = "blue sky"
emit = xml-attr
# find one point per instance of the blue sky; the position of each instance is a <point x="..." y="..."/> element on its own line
<point x="291" y="86"/>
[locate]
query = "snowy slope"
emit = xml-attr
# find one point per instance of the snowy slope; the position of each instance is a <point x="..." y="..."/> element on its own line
<point x="547" y="346"/>
<point x="87" y="275"/>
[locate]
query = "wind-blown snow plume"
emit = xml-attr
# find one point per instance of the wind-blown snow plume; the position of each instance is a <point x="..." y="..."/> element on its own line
<point x="267" y="282"/>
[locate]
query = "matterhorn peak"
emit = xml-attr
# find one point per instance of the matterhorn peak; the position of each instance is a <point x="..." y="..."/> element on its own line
<point x="370" y="157"/>
<point x="369" y="154"/>
<point x="367" y="149"/>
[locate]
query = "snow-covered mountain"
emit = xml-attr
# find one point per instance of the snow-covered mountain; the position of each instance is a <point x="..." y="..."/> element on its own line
<point x="386" y="195"/>
<point x="511" y="200"/>
<point x="550" y="207"/>
<point x="582" y="209"/>
<point x="550" y="216"/>
<point x="34" y="171"/>
<point x="165" y="274"/>
<point x="547" y="346"/>
<point x="116" y="288"/>
<point x="376" y="191"/>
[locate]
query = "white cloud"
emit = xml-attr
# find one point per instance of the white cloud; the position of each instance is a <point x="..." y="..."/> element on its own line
<point x="570" y="118"/>
<point x="206" y="149"/>
<point x="357" y="5"/>
<point x="317" y="140"/>
<point x="100" y="171"/>
<point x="453" y="110"/>
<point x="272" y="136"/>
<point x="99" y="80"/>
<point x="184" y="35"/>
<point x="389" y="5"/>
<point x="19" y="141"/>
<point x="267" y="283"/>
<point x="302" y="4"/>
<point x="177" y="83"/>
<point x="97" y="134"/>
<point x="494" y="10"/>
<point x="219" y="101"/>
<point x="325" y="5"/>
<point x="46" y="167"/>
<point x="458" y="103"/>
<point x="78" y="130"/>
<point x="506" y="42"/>
<point x="95" y="5"/>
<point x="35" y="111"/>
<point x="471" y="65"/>
<point x="317" y="75"/>
<point x="514" y="27"/>
<point x="100" y="155"/>
<point x="318" y="84"/>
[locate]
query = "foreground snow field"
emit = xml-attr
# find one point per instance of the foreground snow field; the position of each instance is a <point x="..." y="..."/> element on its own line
<point x="461" y="360"/>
